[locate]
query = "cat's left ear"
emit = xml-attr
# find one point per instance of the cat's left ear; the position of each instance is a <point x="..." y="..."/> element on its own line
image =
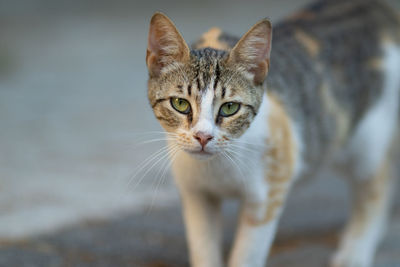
<point x="165" y="46"/>
<point x="253" y="51"/>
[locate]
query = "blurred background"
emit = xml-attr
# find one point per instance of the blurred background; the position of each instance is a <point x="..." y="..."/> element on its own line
<point x="74" y="126"/>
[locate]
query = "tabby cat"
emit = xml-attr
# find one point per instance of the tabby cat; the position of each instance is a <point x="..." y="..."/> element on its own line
<point x="331" y="98"/>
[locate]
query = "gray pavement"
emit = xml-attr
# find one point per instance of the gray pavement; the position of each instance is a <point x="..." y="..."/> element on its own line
<point x="156" y="238"/>
<point x="74" y="120"/>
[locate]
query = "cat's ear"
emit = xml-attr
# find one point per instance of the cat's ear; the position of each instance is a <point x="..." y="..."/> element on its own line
<point x="165" y="45"/>
<point x="253" y="51"/>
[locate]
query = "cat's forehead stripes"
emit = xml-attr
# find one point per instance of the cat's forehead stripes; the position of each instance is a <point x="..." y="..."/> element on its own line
<point x="180" y="89"/>
<point x="223" y="91"/>
<point x="217" y="74"/>
<point x="207" y="67"/>
<point x="211" y="72"/>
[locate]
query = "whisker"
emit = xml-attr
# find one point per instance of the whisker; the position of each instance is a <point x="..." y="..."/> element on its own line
<point x="268" y="160"/>
<point x="252" y="144"/>
<point x="237" y="166"/>
<point x="245" y="162"/>
<point x="158" y="156"/>
<point x="143" y="138"/>
<point x="163" y="157"/>
<point x="145" y="162"/>
<point x="242" y="147"/>
<point x="240" y="171"/>
<point x="240" y="157"/>
<point x="156" y="135"/>
<point x="156" y="140"/>
<point x="161" y="179"/>
<point x="152" y="132"/>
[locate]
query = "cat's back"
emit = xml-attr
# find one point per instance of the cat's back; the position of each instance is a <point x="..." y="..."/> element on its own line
<point x="327" y="66"/>
<point x="336" y="39"/>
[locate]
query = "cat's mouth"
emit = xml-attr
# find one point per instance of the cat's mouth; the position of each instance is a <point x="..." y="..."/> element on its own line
<point x="201" y="154"/>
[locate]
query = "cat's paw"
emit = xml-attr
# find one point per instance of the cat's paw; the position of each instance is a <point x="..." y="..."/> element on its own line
<point x="352" y="258"/>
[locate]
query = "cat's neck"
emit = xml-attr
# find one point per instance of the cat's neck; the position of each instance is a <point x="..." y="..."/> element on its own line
<point x="257" y="134"/>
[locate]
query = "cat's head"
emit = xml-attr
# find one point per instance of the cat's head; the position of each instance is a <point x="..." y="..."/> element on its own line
<point x="207" y="98"/>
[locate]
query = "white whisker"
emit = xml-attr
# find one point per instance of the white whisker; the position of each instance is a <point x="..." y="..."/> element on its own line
<point x="243" y="161"/>
<point x="155" y="140"/>
<point x="158" y="156"/>
<point x="242" y="147"/>
<point x="252" y="144"/>
<point x="153" y="132"/>
<point x="163" y="173"/>
<point x="237" y="166"/>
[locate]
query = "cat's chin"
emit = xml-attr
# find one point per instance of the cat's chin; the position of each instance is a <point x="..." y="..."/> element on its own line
<point x="201" y="155"/>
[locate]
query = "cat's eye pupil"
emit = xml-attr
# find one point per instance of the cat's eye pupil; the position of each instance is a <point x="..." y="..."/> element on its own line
<point x="181" y="105"/>
<point x="229" y="109"/>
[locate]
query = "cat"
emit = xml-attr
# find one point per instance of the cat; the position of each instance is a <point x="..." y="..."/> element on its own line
<point x="248" y="117"/>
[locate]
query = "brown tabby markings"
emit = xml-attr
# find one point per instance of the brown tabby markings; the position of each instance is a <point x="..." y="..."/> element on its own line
<point x="310" y="44"/>
<point x="302" y="15"/>
<point x="339" y="114"/>
<point x="281" y="158"/>
<point x="241" y="122"/>
<point x="168" y="116"/>
<point x="211" y="39"/>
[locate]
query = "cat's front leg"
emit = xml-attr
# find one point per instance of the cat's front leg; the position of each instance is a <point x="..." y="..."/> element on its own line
<point x="258" y="220"/>
<point x="256" y="232"/>
<point x="202" y="215"/>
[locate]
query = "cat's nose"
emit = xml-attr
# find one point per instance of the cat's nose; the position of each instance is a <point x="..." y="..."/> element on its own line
<point x="203" y="138"/>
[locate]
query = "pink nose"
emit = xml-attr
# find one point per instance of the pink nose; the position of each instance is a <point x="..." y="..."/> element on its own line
<point x="203" y="138"/>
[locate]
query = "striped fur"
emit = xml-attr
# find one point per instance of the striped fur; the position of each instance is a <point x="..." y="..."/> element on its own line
<point x="318" y="98"/>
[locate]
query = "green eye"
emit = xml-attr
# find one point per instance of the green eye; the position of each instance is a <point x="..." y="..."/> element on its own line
<point x="181" y="105"/>
<point x="229" y="109"/>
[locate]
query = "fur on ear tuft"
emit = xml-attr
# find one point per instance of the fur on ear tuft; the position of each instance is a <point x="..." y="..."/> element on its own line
<point x="165" y="45"/>
<point x="253" y="51"/>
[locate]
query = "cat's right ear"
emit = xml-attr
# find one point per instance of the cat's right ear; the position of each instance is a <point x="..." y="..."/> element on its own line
<point x="165" y="45"/>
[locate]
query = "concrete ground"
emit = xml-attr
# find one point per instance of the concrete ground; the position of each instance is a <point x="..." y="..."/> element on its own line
<point x="74" y="126"/>
<point x="307" y="237"/>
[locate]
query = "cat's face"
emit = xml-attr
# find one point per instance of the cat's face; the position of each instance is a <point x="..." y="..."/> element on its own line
<point x="205" y="103"/>
<point x="205" y="99"/>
